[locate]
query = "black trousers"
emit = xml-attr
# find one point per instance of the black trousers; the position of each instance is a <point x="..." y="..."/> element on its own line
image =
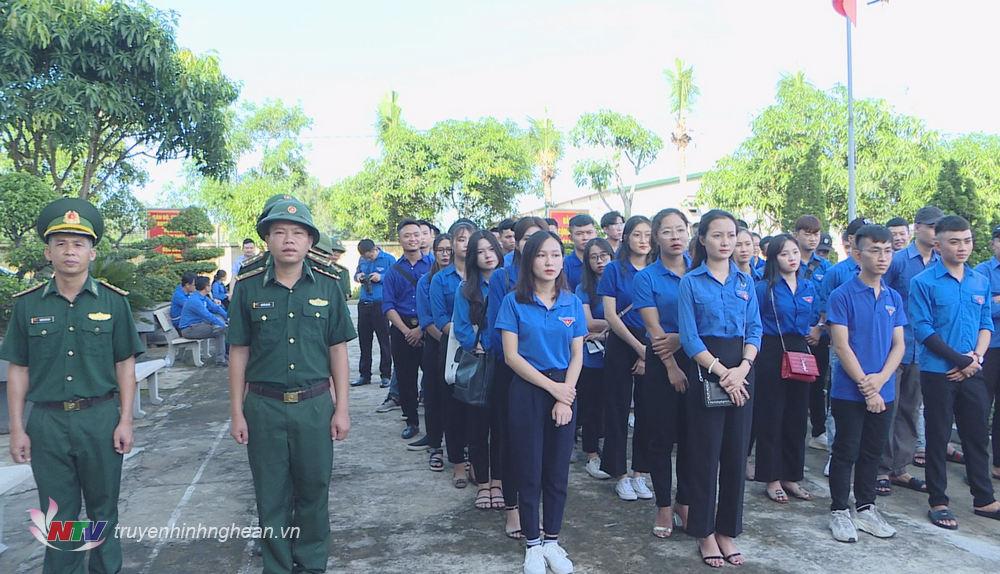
<point x="666" y="426"/>
<point x="857" y="446"/>
<point x="779" y="414"/>
<point x="455" y="413"/>
<point x="437" y="395"/>
<point x="501" y="455"/>
<point x="407" y="359"/>
<point x="818" y="390"/>
<point x="371" y="321"/>
<point x="965" y="404"/>
<point x="590" y="404"/>
<point x="541" y="457"/>
<point x="619" y="386"/>
<point x="991" y="375"/>
<point x="717" y="439"/>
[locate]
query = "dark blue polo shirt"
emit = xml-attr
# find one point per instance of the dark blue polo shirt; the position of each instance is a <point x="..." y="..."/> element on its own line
<point x="399" y="292"/>
<point x="573" y="268"/>
<point x="991" y="270"/>
<point x="906" y="264"/>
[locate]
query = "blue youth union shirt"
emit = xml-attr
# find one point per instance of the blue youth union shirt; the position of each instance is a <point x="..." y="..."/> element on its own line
<point x="617" y="282"/>
<point x="870" y="322"/>
<point x="907" y="264"/>
<point x="835" y="277"/>
<point x="381" y="264"/>
<point x="424" y="316"/>
<point x="461" y="325"/>
<point x="544" y="336"/>
<point x="991" y="270"/>
<point x="955" y="310"/>
<point x="443" y="287"/>
<point x="573" y="267"/>
<point x="795" y="311"/>
<point x="399" y="292"/>
<point x="707" y="308"/>
<point x="502" y="282"/>
<point x="657" y="286"/>
<point x="592" y="360"/>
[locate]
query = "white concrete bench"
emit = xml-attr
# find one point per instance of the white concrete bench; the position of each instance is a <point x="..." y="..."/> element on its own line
<point x="175" y="341"/>
<point x="143" y="372"/>
<point x="10" y="476"/>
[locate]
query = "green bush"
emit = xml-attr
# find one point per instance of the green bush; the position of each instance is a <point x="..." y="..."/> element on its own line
<point x="202" y="253"/>
<point x="9" y="285"/>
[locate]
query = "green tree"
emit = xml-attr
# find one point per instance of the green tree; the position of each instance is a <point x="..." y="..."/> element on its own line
<point x="957" y="194"/>
<point x="804" y="192"/>
<point x="595" y="174"/>
<point x="22" y="197"/>
<point x="620" y="138"/>
<point x="89" y="85"/>
<point x="123" y="214"/>
<point x="546" y="144"/>
<point x="683" y="93"/>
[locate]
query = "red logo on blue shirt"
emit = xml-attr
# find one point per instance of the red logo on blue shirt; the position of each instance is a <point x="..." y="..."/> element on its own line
<point x="743" y="295"/>
<point x="890" y="310"/>
<point x="979" y="299"/>
<point x="568" y="321"/>
<point x="808" y="299"/>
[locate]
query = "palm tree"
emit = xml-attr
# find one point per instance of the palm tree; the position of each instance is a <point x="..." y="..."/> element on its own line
<point x="389" y="113"/>
<point x="683" y="93"/>
<point x="546" y="143"/>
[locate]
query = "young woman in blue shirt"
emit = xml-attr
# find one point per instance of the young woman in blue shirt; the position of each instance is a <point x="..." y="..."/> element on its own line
<point x="483" y="426"/>
<point x="655" y="296"/>
<point x="719" y="325"/>
<point x="590" y="390"/>
<point x="219" y="291"/>
<point x="781" y="406"/>
<point x="543" y="327"/>
<point x="436" y="393"/>
<point x="625" y="360"/>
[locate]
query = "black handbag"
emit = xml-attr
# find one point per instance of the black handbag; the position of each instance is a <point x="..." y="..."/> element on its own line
<point x="473" y="376"/>
<point x="715" y="395"/>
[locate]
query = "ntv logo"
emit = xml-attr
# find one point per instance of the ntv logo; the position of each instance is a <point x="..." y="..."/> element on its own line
<point x="46" y="530"/>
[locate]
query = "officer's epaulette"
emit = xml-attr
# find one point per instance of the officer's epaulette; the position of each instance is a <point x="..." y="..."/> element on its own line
<point x="29" y="290"/>
<point x="318" y="257"/>
<point x="327" y="273"/>
<point x="252" y="260"/>
<point x="118" y="290"/>
<point x="256" y="271"/>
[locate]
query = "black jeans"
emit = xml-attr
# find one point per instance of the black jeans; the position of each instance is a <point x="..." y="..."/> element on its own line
<point x="858" y="445"/>
<point x="371" y="321"/>
<point x="590" y="405"/>
<point x="618" y="397"/>
<point x="779" y="414"/>
<point x="991" y="374"/>
<point x="437" y="395"/>
<point x="666" y="417"/>
<point x="407" y="359"/>
<point x="818" y="390"/>
<point x="965" y="404"/>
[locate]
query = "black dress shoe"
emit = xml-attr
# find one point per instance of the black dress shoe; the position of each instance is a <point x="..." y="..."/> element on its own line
<point x="409" y="432"/>
<point x="420" y="444"/>
<point x="360" y="383"/>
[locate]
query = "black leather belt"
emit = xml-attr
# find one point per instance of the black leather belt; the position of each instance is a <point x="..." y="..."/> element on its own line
<point x="76" y="404"/>
<point x="557" y="375"/>
<point x="290" y="396"/>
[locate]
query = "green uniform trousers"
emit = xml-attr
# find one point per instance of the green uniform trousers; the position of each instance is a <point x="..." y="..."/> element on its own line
<point x="291" y="457"/>
<point x="73" y="452"/>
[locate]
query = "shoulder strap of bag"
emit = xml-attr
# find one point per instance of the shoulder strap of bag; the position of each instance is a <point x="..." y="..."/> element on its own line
<point x="625" y="311"/>
<point x="777" y="321"/>
<point x="406" y="274"/>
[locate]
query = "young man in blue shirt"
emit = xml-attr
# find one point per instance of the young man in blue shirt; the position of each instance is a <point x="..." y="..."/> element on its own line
<point x="180" y="296"/>
<point x="399" y="303"/>
<point x="991" y="362"/>
<point x="808" y="232"/>
<point x="613" y="224"/>
<point x="866" y="320"/>
<point x="950" y="309"/>
<point x="372" y="267"/>
<point x="581" y="230"/>
<point x="201" y="318"/>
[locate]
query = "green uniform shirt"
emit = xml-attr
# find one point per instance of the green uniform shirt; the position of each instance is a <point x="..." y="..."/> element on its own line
<point x="345" y="279"/>
<point x="289" y="331"/>
<point x="71" y="349"/>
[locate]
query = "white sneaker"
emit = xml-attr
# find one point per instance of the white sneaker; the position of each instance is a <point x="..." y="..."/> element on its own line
<point x="818" y="442"/>
<point x="826" y="469"/>
<point x="640" y="488"/>
<point x="534" y="560"/>
<point x="593" y="468"/>
<point x="871" y="521"/>
<point x="625" y="490"/>
<point x="842" y="526"/>
<point x="556" y="558"/>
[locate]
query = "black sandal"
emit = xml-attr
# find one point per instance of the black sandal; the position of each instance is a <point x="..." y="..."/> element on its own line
<point x="939" y="516"/>
<point x="512" y="534"/>
<point x="436" y="461"/>
<point x="731" y="556"/>
<point x="883" y="487"/>
<point x="955" y="456"/>
<point x="913" y="483"/>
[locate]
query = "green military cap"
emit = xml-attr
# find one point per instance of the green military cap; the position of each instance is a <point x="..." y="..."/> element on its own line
<point x="292" y="211"/>
<point x="270" y="203"/>
<point x="325" y="244"/>
<point x="70" y="215"/>
<point x="336" y="246"/>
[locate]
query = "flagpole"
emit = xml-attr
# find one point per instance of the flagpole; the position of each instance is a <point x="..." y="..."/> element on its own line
<point x="852" y="200"/>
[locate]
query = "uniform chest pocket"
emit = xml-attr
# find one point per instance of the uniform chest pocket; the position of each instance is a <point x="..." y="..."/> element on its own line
<point x="43" y="338"/>
<point x="94" y="336"/>
<point x="314" y="320"/>
<point x="265" y="326"/>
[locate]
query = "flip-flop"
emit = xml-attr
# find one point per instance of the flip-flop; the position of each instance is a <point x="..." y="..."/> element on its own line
<point x="778" y="496"/>
<point x="994" y="514"/>
<point x="939" y="516"/>
<point x="733" y="555"/>
<point x="955" y="456"/>
<point x="913" y="484"/>
<point x="883" y="487"/>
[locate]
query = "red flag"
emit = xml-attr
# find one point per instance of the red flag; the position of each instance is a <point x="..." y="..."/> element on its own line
<point x="848" y="9"/>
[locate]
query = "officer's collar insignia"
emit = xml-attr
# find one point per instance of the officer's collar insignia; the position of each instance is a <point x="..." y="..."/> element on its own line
<point x="319" y="302"/>
<point x="890" y="310"/>
<point x="99" y="316"/>
<point x="42" y="320"/>
<point x="72" y="217"/>
<point x="568" y="321"/>
<point x="263" y="304"/>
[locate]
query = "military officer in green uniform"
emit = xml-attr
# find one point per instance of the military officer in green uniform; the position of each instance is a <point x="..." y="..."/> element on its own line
<point x="336" y="251"/>
<point x="288" y="334"/>
<point x="316" y="258"/>
<point x="72" y="343"/>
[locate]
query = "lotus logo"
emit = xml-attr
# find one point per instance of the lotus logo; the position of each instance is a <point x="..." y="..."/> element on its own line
<point x="46" y="530"/>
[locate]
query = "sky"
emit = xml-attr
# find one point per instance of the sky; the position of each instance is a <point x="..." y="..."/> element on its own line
<point x="531" y="58"/>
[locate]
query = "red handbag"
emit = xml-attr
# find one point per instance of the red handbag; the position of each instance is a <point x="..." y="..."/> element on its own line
<point x="795" y="366"/>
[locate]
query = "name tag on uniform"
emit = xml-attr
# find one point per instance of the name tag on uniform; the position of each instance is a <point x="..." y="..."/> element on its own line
<point x="319" y="302"/>
<point x="568" y="321"/>
<point x="99" y="316"/>
<point x="890" y="310"/>
<point x="262" y="304"/>
<point x="42" y="320"/>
